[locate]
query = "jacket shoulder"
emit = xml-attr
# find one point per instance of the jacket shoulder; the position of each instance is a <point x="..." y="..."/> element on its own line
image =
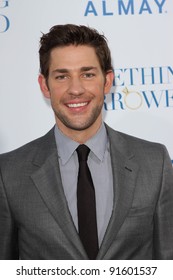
<point x="29" y="150"/>
<point x="129" y="144"/>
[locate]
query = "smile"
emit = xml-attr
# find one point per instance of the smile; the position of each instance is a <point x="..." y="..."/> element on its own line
<point x="76" y="105"/>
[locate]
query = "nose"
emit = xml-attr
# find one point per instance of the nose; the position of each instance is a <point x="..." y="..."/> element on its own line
<point x="76" y="86"/>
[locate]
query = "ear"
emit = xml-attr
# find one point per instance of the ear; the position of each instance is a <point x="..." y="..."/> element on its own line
<point x="108" y="81"/>
<point x="43" y="86"/>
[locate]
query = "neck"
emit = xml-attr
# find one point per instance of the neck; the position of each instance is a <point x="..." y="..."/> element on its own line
<point x="80" y="136"/>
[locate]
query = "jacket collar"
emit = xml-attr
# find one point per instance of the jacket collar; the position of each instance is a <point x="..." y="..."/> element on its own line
<point x="124" y="170"/>
<point x="47" y="180"/>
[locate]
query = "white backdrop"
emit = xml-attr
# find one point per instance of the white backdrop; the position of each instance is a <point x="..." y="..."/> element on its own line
<point x="139" y="33"/>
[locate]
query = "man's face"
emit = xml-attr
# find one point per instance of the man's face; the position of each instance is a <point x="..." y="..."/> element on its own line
<point x="76" y="86"/>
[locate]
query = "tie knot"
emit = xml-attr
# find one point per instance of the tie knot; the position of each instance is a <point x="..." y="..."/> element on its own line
<point x="82" y="151"/>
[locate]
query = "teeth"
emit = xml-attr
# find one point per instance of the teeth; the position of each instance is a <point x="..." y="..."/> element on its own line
<point x="75" y="105"/>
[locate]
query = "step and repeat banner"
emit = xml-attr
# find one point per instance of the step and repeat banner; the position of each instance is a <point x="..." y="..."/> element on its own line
<point x="139" y="34"/>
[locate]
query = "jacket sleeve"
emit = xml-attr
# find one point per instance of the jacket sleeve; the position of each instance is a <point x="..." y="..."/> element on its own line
<point x="163" y="221"/>
<point x="8" y="230"/>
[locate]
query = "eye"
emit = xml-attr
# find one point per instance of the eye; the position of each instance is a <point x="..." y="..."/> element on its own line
<point x="88" y="75"/>
<point x="61" y="77"/>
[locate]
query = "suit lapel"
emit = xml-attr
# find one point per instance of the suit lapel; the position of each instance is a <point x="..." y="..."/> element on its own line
<point x="47" y="180"/>
<point x="124" y="170"/>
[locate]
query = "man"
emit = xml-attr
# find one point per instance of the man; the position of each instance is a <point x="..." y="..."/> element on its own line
<point x="132" y="196"/>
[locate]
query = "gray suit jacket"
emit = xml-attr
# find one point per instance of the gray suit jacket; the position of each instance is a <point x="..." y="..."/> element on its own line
<point x="35" y="222"/>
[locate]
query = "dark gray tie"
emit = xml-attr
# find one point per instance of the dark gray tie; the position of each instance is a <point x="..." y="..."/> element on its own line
<point x="86" y="205"/>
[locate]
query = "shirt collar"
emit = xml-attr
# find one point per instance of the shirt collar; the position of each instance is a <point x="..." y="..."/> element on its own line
<point x="66" y="146"/>
<point x="99" y="143"/>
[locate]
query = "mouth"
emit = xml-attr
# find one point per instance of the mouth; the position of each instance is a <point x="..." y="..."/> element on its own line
<point x="77" y="105"/>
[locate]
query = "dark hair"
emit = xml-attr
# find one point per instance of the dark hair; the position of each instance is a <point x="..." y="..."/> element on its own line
<point x="70" y="34"/>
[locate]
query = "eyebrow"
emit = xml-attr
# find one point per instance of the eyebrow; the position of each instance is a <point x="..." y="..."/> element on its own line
<point x="82" y="69"/>
<point x="88" y="68"/>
